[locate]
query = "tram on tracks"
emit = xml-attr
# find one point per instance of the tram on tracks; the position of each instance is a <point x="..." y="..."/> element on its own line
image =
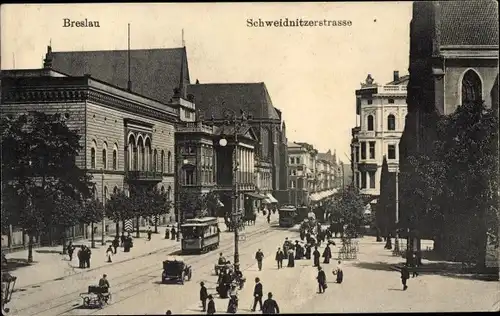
<point x="200" y="235"/>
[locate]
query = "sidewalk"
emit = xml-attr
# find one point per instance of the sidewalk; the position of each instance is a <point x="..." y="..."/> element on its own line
<point x="49" y="263"/>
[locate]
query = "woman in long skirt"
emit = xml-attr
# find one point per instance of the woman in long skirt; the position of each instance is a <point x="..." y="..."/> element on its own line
<point x="327" y="254"/>
<point x="291" y="259"/>
<point x="339" y="273"/>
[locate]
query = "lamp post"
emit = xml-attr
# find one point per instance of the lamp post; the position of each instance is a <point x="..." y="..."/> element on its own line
<point x="236" y="121"/>
<point x="103" y="222"/>
<point x="179" y="213"/>
<point x="8" y="283"/>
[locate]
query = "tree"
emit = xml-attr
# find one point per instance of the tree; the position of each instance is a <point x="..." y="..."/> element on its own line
<point x="38" y="163"/>
<point x="119" y="208"/>
<point x="64" y="213"/>
<point x="348" y="210"/>
<point x="93" y="212"/>
<point x="158" y="203"/>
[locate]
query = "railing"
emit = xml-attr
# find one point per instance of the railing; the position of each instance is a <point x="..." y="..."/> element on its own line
<point x="144" y="175"/>
<point x="392" y="89"/>
<point x="191" y="127"/>
<point x="366" y="134"/>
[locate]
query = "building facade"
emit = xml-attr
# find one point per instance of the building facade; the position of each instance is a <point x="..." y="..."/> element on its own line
<point x="450" y="64"/>
<point x="215" y="101"/>
<point x="127" y="139"/>
<point x="381" y="110"/>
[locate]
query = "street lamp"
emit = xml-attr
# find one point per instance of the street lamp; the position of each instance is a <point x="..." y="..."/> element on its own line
<point x="179" y="213"/>
<point x="237" y="121"/>
<point x="103" y="222"/>
<point x="8" y="283"/>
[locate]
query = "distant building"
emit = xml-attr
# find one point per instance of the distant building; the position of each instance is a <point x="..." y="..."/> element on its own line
<point x="381" y="110"/>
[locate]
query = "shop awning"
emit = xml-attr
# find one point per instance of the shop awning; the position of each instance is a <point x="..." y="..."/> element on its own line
<point x="267" y="201"/>
<point x="271" y="198"/>
<point x="256" y="195"/>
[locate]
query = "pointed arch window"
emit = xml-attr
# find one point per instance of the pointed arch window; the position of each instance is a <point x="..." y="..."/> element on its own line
<point x="155" y="160"/>
<point x="391" y="122"/>
<point x="92" y="158"/>
<point x="471" y="87"/>
<point x="115" y="157"/>
<point x="104" y="158"/>
<point x="162" y="161"/>
<point x="169" y="161"/>
<point x="369" y="122"/>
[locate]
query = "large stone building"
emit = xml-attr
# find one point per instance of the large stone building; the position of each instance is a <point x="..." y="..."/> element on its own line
<point x="381" y="110"/>
<point x="450" y="63"/>
<point x="215" y="101"/>
<point x="127" y="138"/>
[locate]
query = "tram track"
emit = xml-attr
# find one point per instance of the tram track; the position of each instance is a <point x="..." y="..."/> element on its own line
<point x="136" y="277"/>
<point x="140" y="286"/>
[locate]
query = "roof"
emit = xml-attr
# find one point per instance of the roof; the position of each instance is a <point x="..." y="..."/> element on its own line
<point x="154" y="73"/>
<point x="469" y="22"/>
<point x="401" y="81"/>
<point x="253" y="98"/>
<point x="245" y="131"/>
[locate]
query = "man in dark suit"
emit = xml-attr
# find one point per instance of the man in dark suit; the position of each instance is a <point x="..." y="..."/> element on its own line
<point x="211" y="305"/>
<point x="257" y="294"/>
<point x="279" y="258"/>
<point x="270" y="306"/>
<point x="203" y="296"/>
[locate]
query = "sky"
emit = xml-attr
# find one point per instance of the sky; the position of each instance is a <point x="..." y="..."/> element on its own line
<point x="311" y="73"/>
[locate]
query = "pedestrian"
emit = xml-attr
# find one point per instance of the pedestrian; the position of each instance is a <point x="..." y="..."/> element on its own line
<point x="173" y="232"/>
<point x="291" y="259"/>
<point x="405" y="275"/>
<point x="116" y="244"/>
<point x="270" y="306"/>
<point x="339" y="272"/>
<point x="88" y="254"/>
<point x="259" y="256"/>
<point x="122" y="239"/>
<point x="169" y="312"/>
<point x="211" y="305"/>
<point x="109" y="253"/>
<point x="279" y="258"/>
<point x="269" y="217"/>
<point x="257" y="294"/>
<point x="316" y="256"/>
<point x="321" y="280"/>
<point x="415" y="265"/>
<point x="70" y="250"/>
<point x="286" y="245"/>
<point x="327" y="254"/>
<point x="149" y="233"/>
<point x="167" y="232"/>
<point x="80" y="256"/>
<point x="203" y="296"/>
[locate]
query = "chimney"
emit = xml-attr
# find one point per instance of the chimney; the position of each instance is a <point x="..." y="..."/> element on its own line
<point x="396" y="75"/>
<point x="47" y="62"/>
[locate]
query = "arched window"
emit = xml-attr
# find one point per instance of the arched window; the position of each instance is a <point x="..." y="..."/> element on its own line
<point x="140" y="145"/>
<point x="155" y="160"/>
<point x="162" y="161"/>
<point x="93" y="161"/>
<point x="115" y="157"/>
<point x="369" y="122"/>
<point x="169" y="193"/>
<point x="147" y="155"/>
<point x="471" y="87"/>
<point x="115" y="190"/>
<point x="162" y="189"/>
<point x="106" y="196"/>
<point x="132" y="153"/>
<point x="169" y="161"/>
<point x="391" y="122"/>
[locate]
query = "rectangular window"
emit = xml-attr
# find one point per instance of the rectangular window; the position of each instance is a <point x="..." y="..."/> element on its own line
<point x="363" y="150"/>
<point x="391" y="152"/>
<point x="369" y="101"/>
<point x="294" y="172"/>
<point x="292" y="184"/>
<point x="189" y="176"/>
<point x="292" y="160"/>
<point x="391" y="101"/>
<point x="298" y="160"/>
<point x="188" y="114"/>
<point x="356" y="155"/>
<point x="371" y="174"/>
<point x="372" y="150"/>
<point x="363" y="179"/>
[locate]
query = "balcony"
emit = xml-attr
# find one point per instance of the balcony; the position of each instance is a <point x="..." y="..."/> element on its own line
<point x="392" y="90"/>
<point x="366" y="134"/>
<point x="148" y="176"/>
<point x="195" y="127"/>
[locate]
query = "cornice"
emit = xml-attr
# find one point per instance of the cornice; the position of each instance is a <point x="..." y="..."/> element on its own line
<point x="75" y="94"/>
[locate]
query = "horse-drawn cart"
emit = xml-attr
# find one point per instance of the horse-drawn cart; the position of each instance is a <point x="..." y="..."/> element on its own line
<point x="96" y="297"/>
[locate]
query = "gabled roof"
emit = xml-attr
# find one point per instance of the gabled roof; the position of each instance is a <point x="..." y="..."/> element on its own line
<point x="253" y="98"/>
<point x="154" y="73"/>
<point x="245" y="131"/>
<point x="469" y="22"/>
<point x="401" y="81"/>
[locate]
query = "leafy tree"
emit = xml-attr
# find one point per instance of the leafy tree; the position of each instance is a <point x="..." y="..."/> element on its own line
<point x="119" y="208"/>
<point x="38" y="164"/>
<point x="348" y="210"/>
<point x="64" y="213"/>
<point x="92" y="213"/>
<point x="158" y="203"/>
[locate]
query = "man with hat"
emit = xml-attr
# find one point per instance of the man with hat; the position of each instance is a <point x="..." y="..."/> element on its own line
<point x="270" y="306"/>
<point x="203" y="296"/>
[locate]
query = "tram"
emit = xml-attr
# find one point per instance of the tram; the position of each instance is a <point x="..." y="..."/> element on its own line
<point x="200" y="235"/>
<point x="287" y="216"/>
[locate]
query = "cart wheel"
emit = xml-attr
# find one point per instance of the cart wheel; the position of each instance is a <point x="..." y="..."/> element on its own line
<point x="182" y="278"/>
<point x="189" y="275"/>
<point x="86" y="301"/>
